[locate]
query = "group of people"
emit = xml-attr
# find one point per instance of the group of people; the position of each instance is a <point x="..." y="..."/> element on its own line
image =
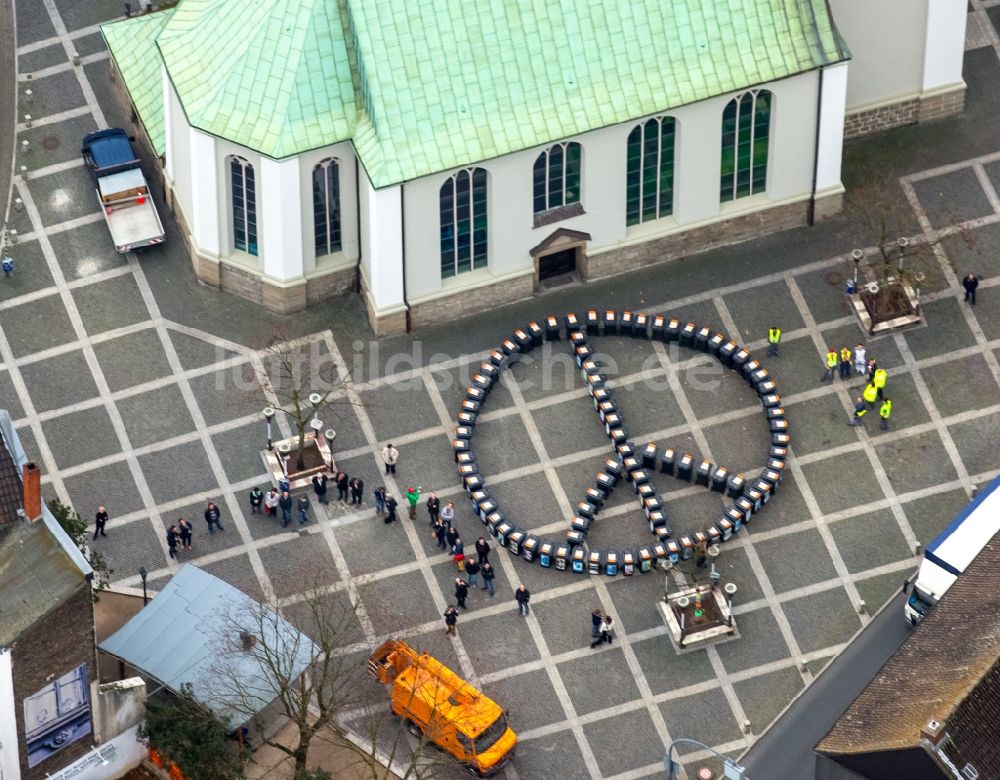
<point x="521" y="595"/>
<point x="600" y="628"/>
<point x="274" y="501"/>
<point x="857" y="361"/>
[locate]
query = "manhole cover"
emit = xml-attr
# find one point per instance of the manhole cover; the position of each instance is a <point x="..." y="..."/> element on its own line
<point x="835" y="278"/>
<point x="51" y="142"/>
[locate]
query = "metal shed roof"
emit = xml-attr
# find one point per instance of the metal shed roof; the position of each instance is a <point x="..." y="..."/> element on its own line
<point x="181" y="636"/>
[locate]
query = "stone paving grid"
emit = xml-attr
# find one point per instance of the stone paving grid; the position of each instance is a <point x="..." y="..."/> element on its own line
<point x="108" y="444"/>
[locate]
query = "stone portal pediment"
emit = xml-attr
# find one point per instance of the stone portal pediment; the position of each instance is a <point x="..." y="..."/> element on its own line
<point x="562" y="238"/>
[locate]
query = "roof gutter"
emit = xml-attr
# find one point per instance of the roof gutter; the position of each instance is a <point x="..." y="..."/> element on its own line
<point x="811" y="212"/>
<point x="402" y="250"/>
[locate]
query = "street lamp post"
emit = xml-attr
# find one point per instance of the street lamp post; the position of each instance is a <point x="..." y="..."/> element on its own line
<point x="268" y="413"/>
<point x="315" y="399"/>
<point x="330" y="435"/>
<point x="143" y="573"/>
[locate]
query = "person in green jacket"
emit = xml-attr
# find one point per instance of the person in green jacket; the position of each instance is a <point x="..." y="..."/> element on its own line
<point x="413" y="497"/>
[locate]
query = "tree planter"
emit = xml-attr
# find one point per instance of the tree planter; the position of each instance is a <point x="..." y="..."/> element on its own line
<point x="316" y="455"/>
<point x="884" y="308"/>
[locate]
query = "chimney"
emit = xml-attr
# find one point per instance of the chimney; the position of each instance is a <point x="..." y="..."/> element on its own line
<point x="31" y="481"/>
<point x="933" y="731"/>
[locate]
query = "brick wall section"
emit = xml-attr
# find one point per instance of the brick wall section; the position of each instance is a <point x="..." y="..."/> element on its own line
<point x="692" y="242"/>
<point x="57" y="643"/>
<point x="942" y="106"/>
<point x="907" y="112"/>
<point x="467" y="302"/>
<point x="865" y="123"/>
<point x="322" y="288"/>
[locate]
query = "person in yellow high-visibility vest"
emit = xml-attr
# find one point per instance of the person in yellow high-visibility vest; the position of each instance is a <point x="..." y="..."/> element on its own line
<point x="846" y="355"/>
<point x="831" y="365"/>
<point x="860" y="410"/>
<point x="870" y="394"/>
<point x="773" y="339"/>
<point x="884" y="411"/>
<point x="878" y="378"/>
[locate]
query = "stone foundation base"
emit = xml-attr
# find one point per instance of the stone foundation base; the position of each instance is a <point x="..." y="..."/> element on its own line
<point x="469" y="301"/>
<point x="701" y="239"/>
<point x="283" y="297"/>
<point x="949" y="101"/>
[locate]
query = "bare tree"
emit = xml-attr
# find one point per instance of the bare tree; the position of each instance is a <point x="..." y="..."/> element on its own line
<point x="900" y="260"/>
<point x="300" y="383"/>
<point x="311" y="679"/>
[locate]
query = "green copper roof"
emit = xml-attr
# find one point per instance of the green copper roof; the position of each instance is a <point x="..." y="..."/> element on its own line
<point x="271" y="75"/>
<point x="132" y="43"/>
<point x="422" y="86"/>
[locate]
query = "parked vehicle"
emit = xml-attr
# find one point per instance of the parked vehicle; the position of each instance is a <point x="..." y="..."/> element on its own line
<point x="122" y="190"/>
<point x="436" y="702"/>
<point x="953" y="550"/>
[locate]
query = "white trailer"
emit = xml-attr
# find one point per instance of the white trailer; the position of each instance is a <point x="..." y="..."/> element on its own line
<point x="953" y="550"/>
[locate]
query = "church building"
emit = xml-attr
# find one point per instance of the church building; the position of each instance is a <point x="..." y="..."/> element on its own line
<point x="443" y="157"/>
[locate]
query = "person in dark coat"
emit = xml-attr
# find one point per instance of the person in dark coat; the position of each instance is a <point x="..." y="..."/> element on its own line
<point x="256" y="500"/>
<point x="604" y="633"/>
<point x="186" y="531"/>
<point x="596" y="618"/>
<point x="319" y="488"/>
<point x="483" y="550"/>
<point x="450" y="619"/>
<point x="303" y="507"/>
<point x="472" y="569"/>
<point x="357" y="487"/>
<point x="970" y="283"/>
<point x="390" y="508"/>
<point x="440" y="531"/>
<point x="461" y="591"/>
<point x="100" y="520"/>
<point x="172" y="534"/>
<point x="433" y="507"/>
<point x="213" y="517"/>
<point x="379" y="494"/>
<point x="285" y="505"/>
<point x="451" y="534"/>
<point x="488" y="576"/>
<point x="522" y="596"/>
<point x="342" y="485"/>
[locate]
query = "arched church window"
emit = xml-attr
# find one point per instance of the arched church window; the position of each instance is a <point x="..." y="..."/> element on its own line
<point x="557" y="176"/>
<point x="244" y="199"/>
<point x="326" y="207"/>
<point x="746" y="130"/>
<point x="464" y="217"/>
<point x="649" y="183"/>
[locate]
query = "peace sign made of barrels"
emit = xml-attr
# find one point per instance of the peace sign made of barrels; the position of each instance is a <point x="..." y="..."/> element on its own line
<point x="629" y="463"/>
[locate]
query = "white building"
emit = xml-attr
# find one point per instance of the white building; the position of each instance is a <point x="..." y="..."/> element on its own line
<point x="448" y="156"/>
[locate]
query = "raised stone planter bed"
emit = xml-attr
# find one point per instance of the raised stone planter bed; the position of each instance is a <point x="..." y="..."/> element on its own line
<point x="697" y="616"/>
<point x="317" y="456"/>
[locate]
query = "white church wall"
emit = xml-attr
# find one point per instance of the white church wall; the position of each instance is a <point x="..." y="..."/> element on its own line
<point x="280" y="209"/>
<point x="207" y="191"/>
<point x="945" y="43"/>
<point x="886" y="39"/>
<point x="698" y="152"/>
<point x="381" y="219"/>
<point x="831" y="132"/>
<point x="178" y="152"/>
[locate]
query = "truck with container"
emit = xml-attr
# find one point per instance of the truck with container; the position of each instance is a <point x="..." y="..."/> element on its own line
<point x="952" y="551"/>
<point x="437" y="704"/>
<point x="122" y="192"/>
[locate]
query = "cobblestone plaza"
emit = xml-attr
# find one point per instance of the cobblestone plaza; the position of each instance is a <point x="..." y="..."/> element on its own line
<point x="134" y="388"/>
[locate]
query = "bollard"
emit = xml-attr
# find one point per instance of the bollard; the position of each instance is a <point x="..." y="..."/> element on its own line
<point x="27" y="121"/>
<point x="862" y="607"/>
<point x="803" y="665"/>
<point x="25" y="146"/>
<point x="746" y="727"/>
<point x="29" y="96"/>
<point x="75" y="56"/>
<point x="18" y="204"/>
<point x="916" y="548"/>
